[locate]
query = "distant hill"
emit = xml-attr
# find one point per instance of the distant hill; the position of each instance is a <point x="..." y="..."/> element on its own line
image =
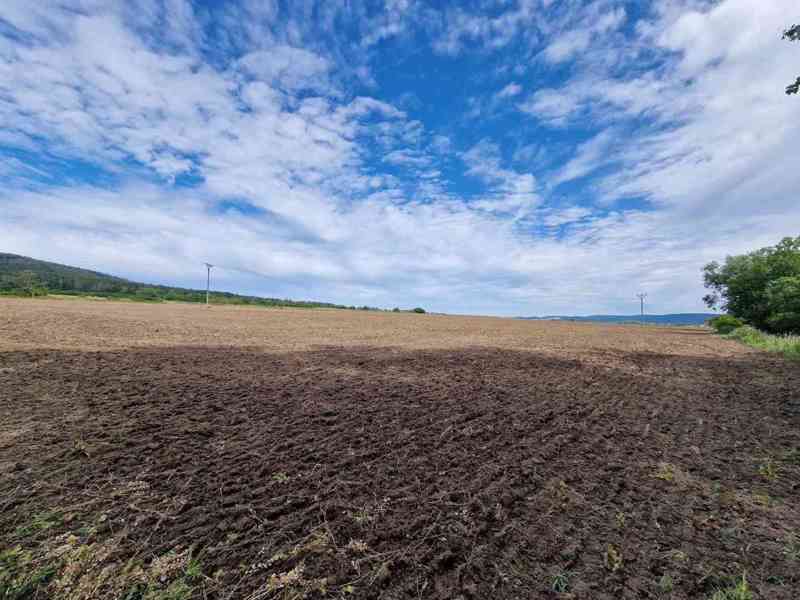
<point x="671" y="319"/>
<point x="56" y="276"/>
<point x="49" y="277"/>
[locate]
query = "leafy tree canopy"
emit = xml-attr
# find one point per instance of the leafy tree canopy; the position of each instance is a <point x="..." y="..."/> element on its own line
<point x="762" y="287"/>
<point x="793" y="35"/>
<point x="783" y="296"/>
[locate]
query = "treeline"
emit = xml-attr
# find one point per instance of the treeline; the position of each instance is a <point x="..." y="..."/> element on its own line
<point x="760" y="289"/>
<point x="24" y="276"/>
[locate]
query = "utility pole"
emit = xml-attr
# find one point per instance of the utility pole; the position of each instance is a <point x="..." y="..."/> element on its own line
<point x="208" y="281"/>
<point x="641" y="297"/>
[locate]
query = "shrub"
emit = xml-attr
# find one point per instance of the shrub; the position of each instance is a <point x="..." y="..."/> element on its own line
<point x="725" y="323"/>
<point x="148" y="294"/>
<point x="419" y="310"/>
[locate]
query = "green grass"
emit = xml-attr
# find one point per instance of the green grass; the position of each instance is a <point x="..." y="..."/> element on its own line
<point x="194" y="570"/>
<point x="78" y="570"/>
<point x="788" y="345"/>
<point x="19" y="577"/>
<point x="792" y="548"/>
<point x="666" y="584"/>
<point x="560" y="582"/>
<point x="739" y="591"/>
<point x="40" y="522"/>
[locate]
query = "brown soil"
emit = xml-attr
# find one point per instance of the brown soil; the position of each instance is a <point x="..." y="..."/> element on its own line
<point x="101" y="325"/>
<point x="585" y="463"/>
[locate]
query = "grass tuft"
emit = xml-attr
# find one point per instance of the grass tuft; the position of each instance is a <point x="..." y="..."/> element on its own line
<point x="613" y="558"/>
<point x="740" y="591"/>
<point x="792" y="548"/>
<point x="666" y="584"/>
<point x="768" y="470"/>
<point x="665" y="472"/>
<point x="194" y="570"/>
<point x="280" y="477"/>
<point x="792" y="456"/>
<point x="560" y="582"/>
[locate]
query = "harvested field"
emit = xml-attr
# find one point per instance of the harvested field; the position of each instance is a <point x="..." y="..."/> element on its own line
<point x="170" y="451"/>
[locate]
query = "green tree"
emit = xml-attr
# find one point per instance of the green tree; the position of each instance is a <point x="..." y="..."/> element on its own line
<point x="28" y="282"/>
<point x="793" y="35"/>
<point x="783" y="297"/>
<point x="757" y="287"/>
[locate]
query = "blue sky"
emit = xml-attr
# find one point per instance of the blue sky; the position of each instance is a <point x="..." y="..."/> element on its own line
<point x="498" y="157"/>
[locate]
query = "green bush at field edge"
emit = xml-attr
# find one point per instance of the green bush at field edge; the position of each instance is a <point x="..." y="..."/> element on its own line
<point x="725" y="324"/>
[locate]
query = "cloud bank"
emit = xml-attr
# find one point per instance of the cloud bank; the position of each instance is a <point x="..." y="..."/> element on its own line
<point x="542" y="158"/>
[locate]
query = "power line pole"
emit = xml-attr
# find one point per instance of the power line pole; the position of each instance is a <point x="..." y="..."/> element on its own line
<point x="208" y="281"/>
<point x="641" y="297"/>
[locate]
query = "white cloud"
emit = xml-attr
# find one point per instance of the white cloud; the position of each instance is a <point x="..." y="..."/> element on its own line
<point x="406" y="158"/>
<point x="719" y="119"/>
<point x="564" y="216"/>
<point x="509" y="190"/>
<point x="593" y="22"/>
<point x="555" y="107"/>
<point x="391" y="22"/>
<point x="289" y="68"/>
<point x="686" y="110"/>
<point x="589" y="156"/>
<point x="532" y="155"/>
<point x="511" y="90"/>
<point x="458" y="28"/>
<point x="567" y="45"/>
<point x="441" y="144"/>
<point x="729" y="148"/>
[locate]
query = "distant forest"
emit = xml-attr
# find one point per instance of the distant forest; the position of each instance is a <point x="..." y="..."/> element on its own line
<point x="24" y="276"/>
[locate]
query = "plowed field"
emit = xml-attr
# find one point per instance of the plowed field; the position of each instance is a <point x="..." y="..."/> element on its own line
<point x="172" y="451"/>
